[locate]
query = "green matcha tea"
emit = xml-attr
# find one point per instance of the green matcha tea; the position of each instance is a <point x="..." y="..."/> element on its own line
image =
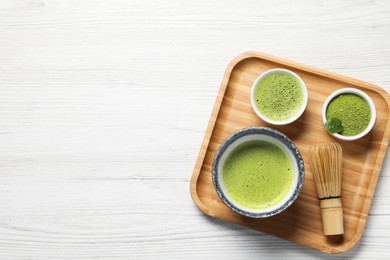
<point x="352" y="110"/>
<point x="257" y="174"/>
<point x="279" y="96"/>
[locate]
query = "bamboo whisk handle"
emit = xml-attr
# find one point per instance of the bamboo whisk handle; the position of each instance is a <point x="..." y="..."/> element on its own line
<point x="332" y="216"/>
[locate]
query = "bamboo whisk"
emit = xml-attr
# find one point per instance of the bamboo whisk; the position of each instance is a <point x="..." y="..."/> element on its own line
<point x="326" y="162"/>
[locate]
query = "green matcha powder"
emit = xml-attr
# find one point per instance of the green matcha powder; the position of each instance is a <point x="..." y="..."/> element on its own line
<point x="353" y="112"/>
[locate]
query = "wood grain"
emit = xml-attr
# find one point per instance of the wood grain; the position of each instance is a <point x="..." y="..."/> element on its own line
<point x="104" y="105"/>
<point x="362" y="159"/>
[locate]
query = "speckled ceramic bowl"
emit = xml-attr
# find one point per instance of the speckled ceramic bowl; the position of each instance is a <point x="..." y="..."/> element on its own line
<point x="252" y="134"/>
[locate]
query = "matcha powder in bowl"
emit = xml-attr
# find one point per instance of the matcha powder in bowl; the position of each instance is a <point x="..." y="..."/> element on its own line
<point x="354" y="109"/>
<point x="353" y="112"/>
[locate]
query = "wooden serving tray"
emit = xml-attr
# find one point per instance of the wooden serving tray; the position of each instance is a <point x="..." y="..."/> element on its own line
<point x="362" y="159"/>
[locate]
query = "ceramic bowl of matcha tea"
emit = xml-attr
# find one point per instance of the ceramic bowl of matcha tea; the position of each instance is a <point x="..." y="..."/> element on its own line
<point x="348" y="114"/>
<point x="279" y="96"/>
<point x="258" y="172"/>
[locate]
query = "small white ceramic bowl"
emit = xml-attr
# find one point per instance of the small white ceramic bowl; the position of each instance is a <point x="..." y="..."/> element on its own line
<point x="365" y="98"/>
<point x="301" y="84"/>
<point x="252" y="134"/>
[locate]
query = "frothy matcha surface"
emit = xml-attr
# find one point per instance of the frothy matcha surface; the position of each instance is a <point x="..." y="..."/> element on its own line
<point x="353" y="112"/>
<point x="257" y="174"/>
<point x="278" y="96"/>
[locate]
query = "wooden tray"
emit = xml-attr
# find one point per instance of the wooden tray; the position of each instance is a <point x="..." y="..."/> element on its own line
<point x="362" y="161"/>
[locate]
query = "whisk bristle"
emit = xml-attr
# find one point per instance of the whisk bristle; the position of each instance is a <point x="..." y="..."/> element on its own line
<point x="326" y="161"/>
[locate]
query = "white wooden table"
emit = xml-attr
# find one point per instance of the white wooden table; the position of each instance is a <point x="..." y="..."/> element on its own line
<point x="104" y="104"/>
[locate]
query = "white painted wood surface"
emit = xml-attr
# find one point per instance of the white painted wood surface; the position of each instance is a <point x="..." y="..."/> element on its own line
<point x="103" y="107"/>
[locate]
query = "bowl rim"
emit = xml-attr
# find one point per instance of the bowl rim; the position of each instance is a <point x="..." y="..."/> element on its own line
<point x="274" y="134"/>
<point x="301" y="84"/>
<point x="359" y="93"/>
